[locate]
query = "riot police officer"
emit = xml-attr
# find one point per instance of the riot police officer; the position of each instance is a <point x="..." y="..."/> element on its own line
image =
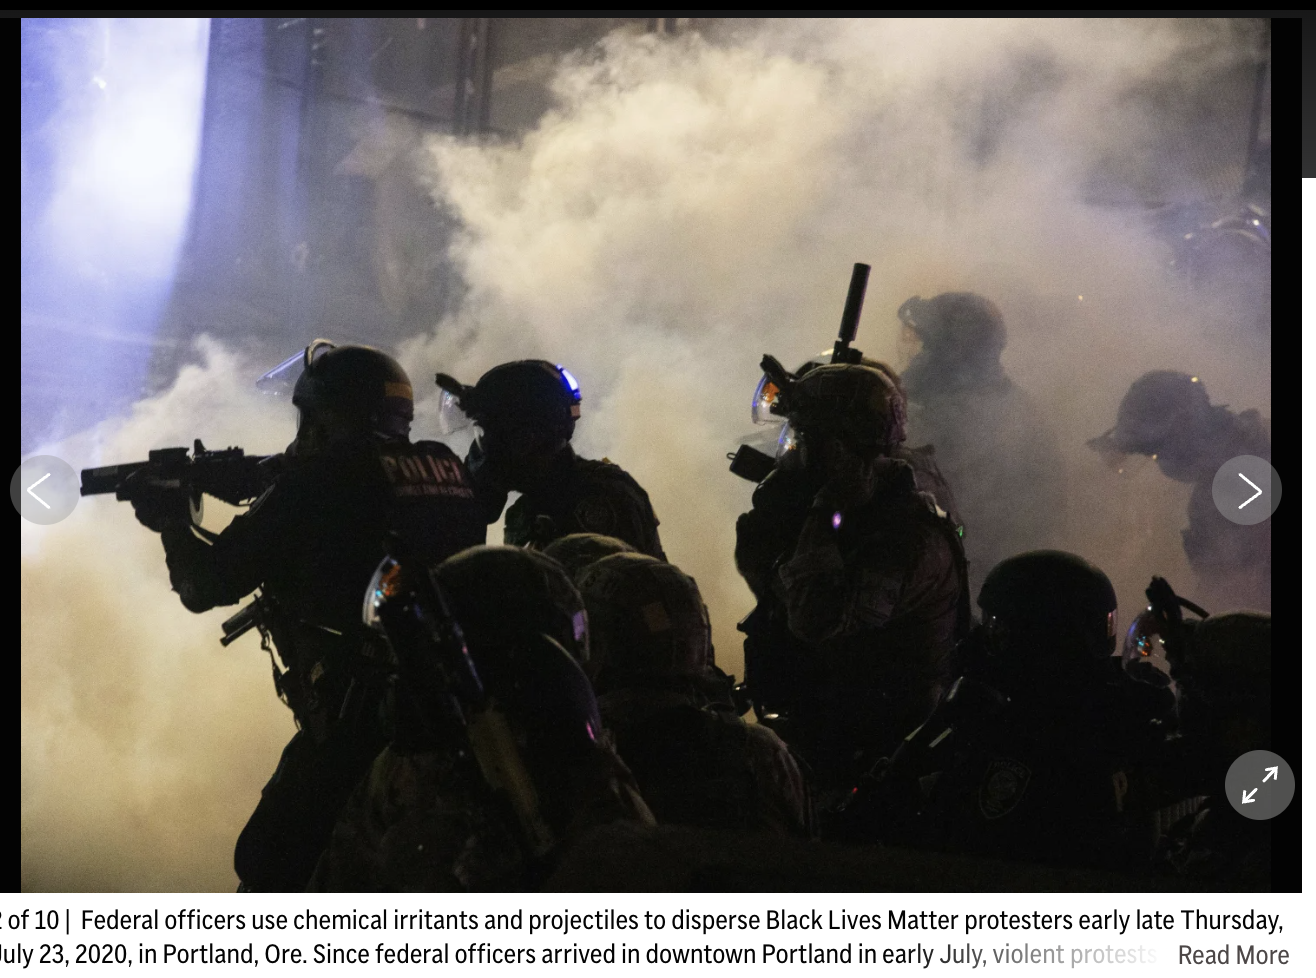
<point x="696" y="761"/>
<point x="922" y="459"/>
<point x="311" y="543"/>
<point x="526" y="412"/>
<point x="1168" y="415"/>
<point x="1033" y="753"/>
<point x="533" y="769"/>
<point x="861" y="582"/>
<point x="992" y="442"/>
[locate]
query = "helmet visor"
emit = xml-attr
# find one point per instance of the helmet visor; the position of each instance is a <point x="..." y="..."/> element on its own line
<point x="386" y="583"/>
<point x="1144" y="650"/>
<point x="452" y="418"/>
<point x="788" y="441"/>
<point x="280" y="380"/>
<point x="765" y="395"/>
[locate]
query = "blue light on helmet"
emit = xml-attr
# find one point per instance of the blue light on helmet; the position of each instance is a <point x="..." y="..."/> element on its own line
<point x="570" y="381"/>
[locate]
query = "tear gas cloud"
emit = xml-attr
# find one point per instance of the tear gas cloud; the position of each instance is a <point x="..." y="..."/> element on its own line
<point x="690" y="204"/>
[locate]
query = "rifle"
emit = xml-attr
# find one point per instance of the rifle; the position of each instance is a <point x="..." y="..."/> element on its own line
<point x="228" y="474"/>
<point x="449" y="702"/>
<point x="750" y="463"/>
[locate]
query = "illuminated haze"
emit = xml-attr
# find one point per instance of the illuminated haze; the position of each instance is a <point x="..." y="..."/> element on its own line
<point x="689" y="205"/>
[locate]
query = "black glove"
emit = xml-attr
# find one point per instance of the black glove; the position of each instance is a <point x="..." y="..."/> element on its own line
<point x="155" y="505"/>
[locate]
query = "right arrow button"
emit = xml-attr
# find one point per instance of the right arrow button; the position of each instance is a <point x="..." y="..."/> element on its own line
<point x="1246" y="490"/>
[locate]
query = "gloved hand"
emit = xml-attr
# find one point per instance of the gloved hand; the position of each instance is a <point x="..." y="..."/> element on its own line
<point x="851" y="479"/>
<point x="157" y="505"/>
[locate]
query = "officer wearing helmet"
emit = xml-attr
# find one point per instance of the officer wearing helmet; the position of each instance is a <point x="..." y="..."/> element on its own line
<point x="859" y="611"/>
<point x="1036" y="750"/>
<point x="993" y="444"/>
<point x="429" y="819"/>
<point x="526" y="412"/>
<point x="922" y="459"/>
<point x="696" y="761"/>
<point x="310" y="543"/>
<point x="1168" y="416"/>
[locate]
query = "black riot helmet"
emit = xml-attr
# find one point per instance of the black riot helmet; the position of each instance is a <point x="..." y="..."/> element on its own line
<point x="522" y="396"/>
<point x="857" y="404"/>
<point x="647" y="621"/>
<point x="1035" y="601"/>
<point x="1158" y="407"/>
<point x="354" y="389"/>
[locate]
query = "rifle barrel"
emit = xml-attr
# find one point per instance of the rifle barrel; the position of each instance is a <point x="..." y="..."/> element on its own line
<point x="107" y="478"/>
<point x="854" y="303"/>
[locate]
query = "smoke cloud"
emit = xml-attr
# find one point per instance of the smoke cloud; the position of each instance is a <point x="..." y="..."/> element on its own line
<point x="691" y="203"/>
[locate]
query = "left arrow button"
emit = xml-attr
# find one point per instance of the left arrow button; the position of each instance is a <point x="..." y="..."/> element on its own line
<point x="44" y="489"/>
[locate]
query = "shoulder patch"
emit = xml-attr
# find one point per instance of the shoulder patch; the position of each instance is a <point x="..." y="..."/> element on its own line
<point x="595" y="514"/>
<point x="1003" y="787"/>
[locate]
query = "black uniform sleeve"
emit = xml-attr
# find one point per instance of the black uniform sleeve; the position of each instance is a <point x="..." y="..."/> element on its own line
<point x="209" y="575"/>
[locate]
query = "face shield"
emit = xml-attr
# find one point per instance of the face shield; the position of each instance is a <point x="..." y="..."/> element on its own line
<point x="765" y="395"/>
<point x="788" y="441"/>
<point x="385" y="584"/>
<point x="452" y="418"/>
<point x="767" y="392"/>
<point x="280" y="381"/>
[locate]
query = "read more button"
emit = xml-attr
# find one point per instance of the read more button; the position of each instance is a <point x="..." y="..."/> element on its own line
<point x="1240" y="955"/>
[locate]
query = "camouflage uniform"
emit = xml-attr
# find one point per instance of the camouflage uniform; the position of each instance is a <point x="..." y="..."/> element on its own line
<point x="696" y="761"/>
<point x="429" y="816"/>
<point x="582" y="495"/>
<point x="876" y="607"/>
<point x="425" y="822"/>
